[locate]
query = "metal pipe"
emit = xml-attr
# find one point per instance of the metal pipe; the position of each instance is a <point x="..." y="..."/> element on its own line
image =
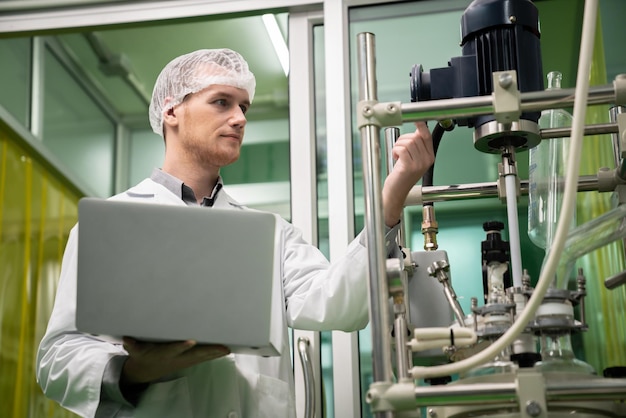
<point x="116" y="63"/>
<point x="419" y="194"/>
<point x="496" y="393"/>
<point x="401" y="305"/>
<point x="616" y="280"/>
<point x="378" y="287"/>
<point x="465" y="394"/>
<point x="617" y="151"/>
<point x="465" y="107"/>
<point x="559" y="98"/>
<point x="402" y="353"/>
<point x="596" y="129"/>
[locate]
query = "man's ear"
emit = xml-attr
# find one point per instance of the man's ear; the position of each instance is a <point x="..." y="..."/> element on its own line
<point x="170" y="117"/>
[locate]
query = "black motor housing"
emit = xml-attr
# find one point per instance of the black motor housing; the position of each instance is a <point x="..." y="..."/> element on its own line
<point x="497" y="35"/>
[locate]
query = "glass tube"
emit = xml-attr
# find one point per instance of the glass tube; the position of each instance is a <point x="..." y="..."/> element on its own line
<point x="546" y="173"/>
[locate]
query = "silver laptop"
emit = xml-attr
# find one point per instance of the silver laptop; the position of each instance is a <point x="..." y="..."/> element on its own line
<point x="172" y="273"/>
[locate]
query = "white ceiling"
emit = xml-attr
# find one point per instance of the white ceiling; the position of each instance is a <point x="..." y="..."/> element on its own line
<point x="146" y="50"/>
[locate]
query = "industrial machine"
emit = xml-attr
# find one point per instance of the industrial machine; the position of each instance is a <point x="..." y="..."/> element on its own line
<point x="511" y="356"/>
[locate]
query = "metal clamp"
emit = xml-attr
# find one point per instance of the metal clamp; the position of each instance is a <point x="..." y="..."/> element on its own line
<point x="371" y="112"/>
<point x="619" y="84"/>
<point x="506" y="97"/>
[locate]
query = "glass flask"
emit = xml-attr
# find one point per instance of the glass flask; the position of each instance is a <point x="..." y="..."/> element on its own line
<point x="546" y="173"/>
<point x="494" y="325"/>
<point x="557" y="355"/>
<point x="500" y="364"/>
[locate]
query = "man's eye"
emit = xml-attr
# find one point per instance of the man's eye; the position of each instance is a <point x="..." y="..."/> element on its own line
<point x="220" y="102"/>
<point x="244" y="109"/>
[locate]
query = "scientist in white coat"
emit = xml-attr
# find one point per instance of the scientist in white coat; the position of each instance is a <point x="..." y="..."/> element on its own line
<point x="199" y="105"/>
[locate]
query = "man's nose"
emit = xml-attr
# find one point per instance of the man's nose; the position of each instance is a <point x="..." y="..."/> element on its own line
<point x="238" y="117"/>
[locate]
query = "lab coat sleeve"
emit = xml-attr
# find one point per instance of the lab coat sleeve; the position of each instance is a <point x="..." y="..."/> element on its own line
<point x="70" y="364"/>
<point x="323" y="296"/>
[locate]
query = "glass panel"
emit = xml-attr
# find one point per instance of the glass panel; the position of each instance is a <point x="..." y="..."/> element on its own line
<point x="76" y="130"/>
<point x="15" y="56"/>
<point x="146" y="153"/>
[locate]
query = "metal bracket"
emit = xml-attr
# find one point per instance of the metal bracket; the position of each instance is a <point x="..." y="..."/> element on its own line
<point x="387" y="396"/>
<point x="506" y="97"/>
<point x="531" y="392"/>
<point x="609" y="179"/>
<point x="371" y="112"/>
<point x="394" y="269"/>
<point x="501" y="186"/>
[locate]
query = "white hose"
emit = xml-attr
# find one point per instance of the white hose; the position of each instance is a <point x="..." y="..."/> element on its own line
<point x="429" y="338"/>
<point x="567" y="211"/>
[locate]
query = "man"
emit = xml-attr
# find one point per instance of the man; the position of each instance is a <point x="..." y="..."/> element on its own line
<point x="198" y="106"/>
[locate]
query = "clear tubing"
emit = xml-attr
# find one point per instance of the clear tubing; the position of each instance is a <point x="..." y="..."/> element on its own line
<point x="569" y="203"/>
<point x="514" y="238"/>
<point x="588" y="237"/>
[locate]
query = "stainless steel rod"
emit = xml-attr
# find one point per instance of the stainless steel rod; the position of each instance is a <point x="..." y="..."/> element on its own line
<point x="467" y="394"/>
<point x="402" y="354"/>
<point x="419" y="194"/>
<point x="378" y="287"/>
<point x="620" y="163"/>
<point x="553" y="99"/>
<point x="597" y="129"/>
<point x="465" y="107"/>
<point x="496" y="393"/>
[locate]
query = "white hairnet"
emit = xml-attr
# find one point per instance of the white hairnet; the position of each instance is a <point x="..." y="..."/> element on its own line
<point x="193" y="72"/>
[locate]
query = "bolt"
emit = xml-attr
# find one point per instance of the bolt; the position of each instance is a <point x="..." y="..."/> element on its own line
<point x="505" y="80"/>
<point x="533" y="408"/>
<point x="391" y="108"/>
<point x="367" y="111"/>
<point x="512" y="19"/>
<point x="432" y="413"/>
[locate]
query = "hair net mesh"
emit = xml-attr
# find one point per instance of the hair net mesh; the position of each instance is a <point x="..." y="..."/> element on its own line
<point x="193" y="72"/>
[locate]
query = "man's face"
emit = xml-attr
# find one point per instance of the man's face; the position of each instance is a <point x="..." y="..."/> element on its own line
<point x="211" y="125"/>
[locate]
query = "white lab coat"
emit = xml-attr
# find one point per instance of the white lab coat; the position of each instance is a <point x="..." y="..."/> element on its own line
<point x="70" y="365"/>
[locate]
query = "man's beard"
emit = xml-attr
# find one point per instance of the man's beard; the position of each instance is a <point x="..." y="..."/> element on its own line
<point x="214" y="155"/>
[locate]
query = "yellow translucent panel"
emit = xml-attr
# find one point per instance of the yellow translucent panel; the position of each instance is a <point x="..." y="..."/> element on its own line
<point x="605" y="341"/>
<point x="36" y="213"/>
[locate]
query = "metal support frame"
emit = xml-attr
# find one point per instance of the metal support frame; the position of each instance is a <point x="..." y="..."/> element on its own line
<point x="384" y="396"/>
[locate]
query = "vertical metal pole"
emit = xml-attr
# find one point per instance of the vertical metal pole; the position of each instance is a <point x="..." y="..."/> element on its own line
<point x="620" y="163"/>
<point x="614" y="111"/>
<point x="378" y="287"/>
<point x="401" y="302"/>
